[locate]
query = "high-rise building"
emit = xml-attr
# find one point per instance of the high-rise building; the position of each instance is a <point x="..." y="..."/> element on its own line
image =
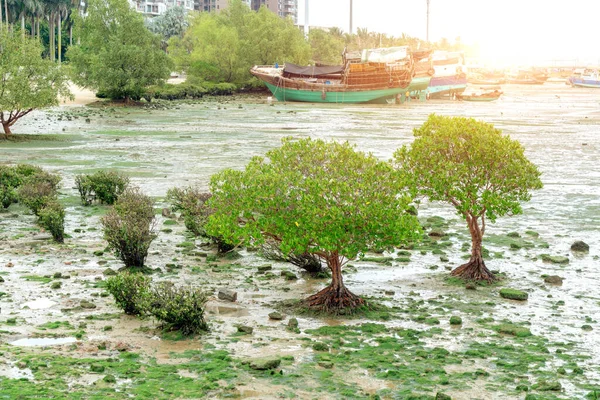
<point x="283" y="8"/>
<point x="153" y="8"/>
<point x="214" y="5"/>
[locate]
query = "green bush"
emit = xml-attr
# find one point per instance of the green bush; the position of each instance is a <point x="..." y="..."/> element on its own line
<point x="191" y="203"/>
<point x="220" y="89"/>
<point x="131" y="292"/>
<point x="105" y="186"/>
<point x="10" y="180"/>
<point x="38" y="190"/>
<point x="52" y="218"/>
<point x="129" y="227"/>
<point x="174" y="92"/>
<point x="179" y="308"/>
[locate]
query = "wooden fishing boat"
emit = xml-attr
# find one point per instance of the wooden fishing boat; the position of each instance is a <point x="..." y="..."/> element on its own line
<point x="379" y="75"/>
<point x="449" y="76"/>
<point x="486" y="96"/>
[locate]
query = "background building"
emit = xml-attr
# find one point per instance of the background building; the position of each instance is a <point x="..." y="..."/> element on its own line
<point x="283" y="8"/>
<point x="153" y="8"/>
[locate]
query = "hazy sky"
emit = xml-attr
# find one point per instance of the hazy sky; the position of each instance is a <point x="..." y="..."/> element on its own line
<point x="510" y="31"/>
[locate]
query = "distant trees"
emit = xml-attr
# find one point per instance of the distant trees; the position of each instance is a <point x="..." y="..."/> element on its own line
<point x="472" y="166"/>
<point x="27" y="81"/>
<point x="118" y="55"/>
<point x="223" y="47"/>
<point x="174" y="22"/>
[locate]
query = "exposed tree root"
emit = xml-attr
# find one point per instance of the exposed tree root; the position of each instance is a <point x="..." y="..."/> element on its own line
<point x="332" y="300"/>
<point x="474" y="270"/>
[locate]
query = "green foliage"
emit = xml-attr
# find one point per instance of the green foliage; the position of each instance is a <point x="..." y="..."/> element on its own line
<point x="174" y="92"/>
<point x="171" y="23"/>
<point x="52" y="218"/>
<point x="38" y="190"/>
<point x="10" y="180"/>
<point x="105" y="186"/>
<point x="129" y="227"/>
<point x="180" y="309"/>
<point x="191" y="203"/>
<point x="119" y="58"/>
<point x="131" y="292"/>
<point x="326" y="48"/>
<point x="314" y="197"/>
<point x="469" y="164"/>
<point x="223" y="47"/>
<point x="28" y="81"/>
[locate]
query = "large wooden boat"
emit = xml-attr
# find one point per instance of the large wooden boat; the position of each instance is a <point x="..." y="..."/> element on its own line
<point x="449" y="77"/>
<point x="378" y="76"/>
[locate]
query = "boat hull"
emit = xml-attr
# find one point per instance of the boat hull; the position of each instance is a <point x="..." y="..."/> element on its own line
<point x="586" y="83"/>
<point x="446" y="85"/>
<point x="330" y="95"/>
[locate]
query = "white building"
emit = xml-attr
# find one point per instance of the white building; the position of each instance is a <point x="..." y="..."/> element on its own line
<point x="153" y="8"/>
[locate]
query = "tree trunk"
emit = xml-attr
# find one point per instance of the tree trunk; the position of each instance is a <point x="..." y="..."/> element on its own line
<point x="23" y="26"/>
<point x="71" y="35"/>
<point x="336" y="297"/>
<point x="474" y="269"/>
<point x="51" y="37"/>
<point x="6" y="127"/>
<point x="59" y="38"/>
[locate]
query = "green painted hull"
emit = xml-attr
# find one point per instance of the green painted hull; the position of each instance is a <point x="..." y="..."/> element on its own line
<point x="330" y="96"/>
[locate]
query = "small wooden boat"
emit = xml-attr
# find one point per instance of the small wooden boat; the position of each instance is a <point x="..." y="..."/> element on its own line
<point x="589" y="79"/>
<point x="486" y="96"/>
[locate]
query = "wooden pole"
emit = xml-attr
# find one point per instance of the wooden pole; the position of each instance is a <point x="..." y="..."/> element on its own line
<point x="351" y="17"/>
<point x="427" y="34"/>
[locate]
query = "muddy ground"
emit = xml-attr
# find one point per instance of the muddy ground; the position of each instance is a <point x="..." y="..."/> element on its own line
<point x="547" y="347"/>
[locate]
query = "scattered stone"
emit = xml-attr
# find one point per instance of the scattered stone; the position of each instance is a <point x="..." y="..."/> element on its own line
<point x="444" y="259"/>
<point x="185" y="136"/>
<point x="87" y="304"/>
<point x="265" y="268"/>
<point x="555" y="259"/>
<point x="580" y="246"/>
<point x="389" y="292"/>
<point x="554" y="280"/>
<point x="98" y="253"/>
<point x="226" y="294"/>
<point x="276" y="315"/>
<point x="9" y="265"/>
<point x="21" y="365"/>
<point x="455" y="320"/>
<point x="122" y="347"/>
<point x="245" y="329"/>
<point x="289" y="276"/>
<point x="109" y="272"/>
<point x="326" y="364"/>
<point x="442" y="396"/>
<point x="166" y="212"/>
<point x="320" y="346"/>
<point x="545" y="386"/>
<point x="587" y="327"/>
<point x="436" y="233"/>
<point x="513" y="294"/>
<point x="1" y="279"/>
<point x="98" y="368"/>
<point x="56" y="285"/>
<point x="293" y="323"/>
<point x="57" y="275"/>
<point x="513" y="234"/>
<point x="470" y="286"/>
<point x="109" y="379"/>
<point x="264" y="364"/>
<point x="87" y="120"/>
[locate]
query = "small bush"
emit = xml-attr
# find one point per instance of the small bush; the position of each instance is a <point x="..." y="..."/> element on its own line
<point x="174" y="92"/>
<point x="220" y="89"/>
<point x="179" y="308"/>
<point x="105" y="186"/>
<point x="191" y="203"/>
<point x="129" y="227"/>
<point x="37" y="193"/>
<point x="131" y="292"/>
<point x="10" y="180"/>
<point x="52" y="218"/>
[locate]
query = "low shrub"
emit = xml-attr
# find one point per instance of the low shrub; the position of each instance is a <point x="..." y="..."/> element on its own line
<point x="52" y="218"/>
<point x="38" y="191"/>
<point x="105" y="186"/>
<point x="131" y="292"/>
<point x="174" y="92"/>
<point x="220" y="89"/>
<point x="191" y="203"/>
<point x="129" y="227"/>
<point x="179" y="308"/>
<point x="9" y="182"/>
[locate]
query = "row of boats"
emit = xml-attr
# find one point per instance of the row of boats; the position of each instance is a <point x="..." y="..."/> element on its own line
<point x="392" y="74"/>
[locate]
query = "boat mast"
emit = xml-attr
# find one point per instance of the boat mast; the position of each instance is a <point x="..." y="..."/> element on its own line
<point x="306" y="18"/>
<point x="427" y="34"/>
<point x="351" y="17"/>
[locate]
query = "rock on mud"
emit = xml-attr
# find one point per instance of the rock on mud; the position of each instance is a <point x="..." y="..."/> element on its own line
<point x="245" y="329"/>
<point x="580" y="246"/>
<point x="263" y="364"/>
<point x="513" y="294"/>
<point x="226" y="294"/>
<point x="555" y="259"/>
<point x="554" y="280"/>
<point x="442" y="396"/>
<point x="276" y="315"/>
